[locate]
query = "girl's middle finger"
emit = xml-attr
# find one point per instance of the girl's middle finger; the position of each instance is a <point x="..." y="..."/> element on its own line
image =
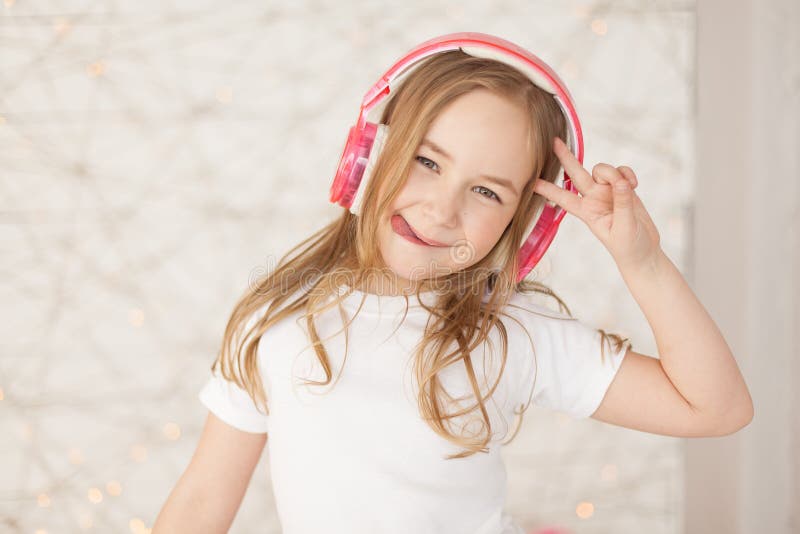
<point x="572" y="167"/>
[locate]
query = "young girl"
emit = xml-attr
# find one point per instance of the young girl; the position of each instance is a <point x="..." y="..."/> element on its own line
<point x="391" y="354"/>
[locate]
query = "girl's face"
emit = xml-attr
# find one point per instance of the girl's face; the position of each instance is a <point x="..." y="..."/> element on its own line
<point x="450" y="199"/>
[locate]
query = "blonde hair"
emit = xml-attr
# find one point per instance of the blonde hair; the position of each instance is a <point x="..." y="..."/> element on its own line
<point x="347" y="246"/>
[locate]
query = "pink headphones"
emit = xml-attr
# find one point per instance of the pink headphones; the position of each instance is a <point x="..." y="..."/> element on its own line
<point x="366" y="137"/>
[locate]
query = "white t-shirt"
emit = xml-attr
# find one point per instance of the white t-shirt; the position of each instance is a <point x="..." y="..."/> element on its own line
<point x="355" y="456"/>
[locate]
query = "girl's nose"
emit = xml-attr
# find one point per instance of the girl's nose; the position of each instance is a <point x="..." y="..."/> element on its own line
<point x="444" y="207"/>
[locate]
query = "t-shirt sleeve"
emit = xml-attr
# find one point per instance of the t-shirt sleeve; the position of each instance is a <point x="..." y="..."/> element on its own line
<point x="566" y="370"/>
<point x="232" y="404"/>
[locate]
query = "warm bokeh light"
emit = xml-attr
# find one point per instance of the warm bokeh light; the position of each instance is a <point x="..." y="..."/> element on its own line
<point x="85" y="520"/>
<point x="137" y="526"/>
<point x="75" y="456"/>
<point x="584" y="510"/>
<point x="96" y="69"/>
<point x="225" y="94"/>
<point x="43" y="500"/>
<point x="61" y="26"/>
<point x="599" y="27"/>
<point x="139" y="453"/>
<point x="114" y="488"/>
<point x="25" y="431"/>
<point x="172" y="431"/>
<point x="608" y="473"/>
<point x="581" y="11"/>
<point x="94" y="495"/>
<point x="136" y="317"/>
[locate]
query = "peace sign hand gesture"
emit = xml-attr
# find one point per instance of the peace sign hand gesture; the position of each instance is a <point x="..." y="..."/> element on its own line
<point x="616" y="216"/>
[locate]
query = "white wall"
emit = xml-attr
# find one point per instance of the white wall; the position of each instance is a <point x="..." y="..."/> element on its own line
<point x="746" y="259"/>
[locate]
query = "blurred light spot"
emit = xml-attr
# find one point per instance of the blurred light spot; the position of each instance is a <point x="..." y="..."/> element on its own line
<point x="136" y="317"/>
<point x="96" y="69"/>
<point x="43" y="500"/>
<point x="139" y="453"/>
<point x="2" y="395"/>
<point x="599" y="27"/>
<point x="584" y="510"/>
<point x="2" y="120"/>
<point x="172" y="431"/>
<point x="225" y="94"/>
<point x="581" y="11"/>
<point x="9" y="3"/>
<point x="137" y="526"/>
<point x="569" y="70"/>
<point x="609" y="473"/>
<point x="25" y="431"/>
<point x="75" y="456"/>
<point x="85" y="520"/>
<point x="114" y="488"/>
<point x="94" y="495"/>
<point x="61" y="26"/>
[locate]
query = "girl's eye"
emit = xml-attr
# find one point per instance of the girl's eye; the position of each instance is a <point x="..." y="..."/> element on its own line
<point x="492" y="195"/>
<point x="423" y="160"/>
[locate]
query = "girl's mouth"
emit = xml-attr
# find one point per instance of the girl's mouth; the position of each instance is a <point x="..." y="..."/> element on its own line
<point x="401" y="227"/>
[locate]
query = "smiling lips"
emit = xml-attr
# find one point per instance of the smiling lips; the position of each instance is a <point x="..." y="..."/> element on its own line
<point x="402" y="227"/>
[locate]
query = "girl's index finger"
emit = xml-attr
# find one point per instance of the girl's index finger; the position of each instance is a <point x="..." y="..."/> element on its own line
<point x="580" y="177"/>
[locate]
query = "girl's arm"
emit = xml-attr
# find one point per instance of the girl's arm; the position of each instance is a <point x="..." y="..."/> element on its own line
<point x="691" y="348"/>
<point x="208" y="494"/>
<point x="695" y="387"/>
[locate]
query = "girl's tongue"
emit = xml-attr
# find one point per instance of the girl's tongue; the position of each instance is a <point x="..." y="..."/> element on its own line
<point x="401" y="227"/>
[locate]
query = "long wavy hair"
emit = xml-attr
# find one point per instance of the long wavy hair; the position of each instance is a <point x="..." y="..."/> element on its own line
<point x="308" y="279"/>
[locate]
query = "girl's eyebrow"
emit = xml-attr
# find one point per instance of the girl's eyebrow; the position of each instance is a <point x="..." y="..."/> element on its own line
<point x="499" y="181"/>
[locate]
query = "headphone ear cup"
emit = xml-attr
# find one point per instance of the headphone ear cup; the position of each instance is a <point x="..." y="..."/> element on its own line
<point x="381" y="133"/>
<point x="352" y="163"/>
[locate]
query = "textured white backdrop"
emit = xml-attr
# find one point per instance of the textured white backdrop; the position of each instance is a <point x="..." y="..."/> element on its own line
<point x="155" y="154"/>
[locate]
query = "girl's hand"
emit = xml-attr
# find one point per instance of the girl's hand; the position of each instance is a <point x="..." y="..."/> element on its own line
<point x="616" y="217"/>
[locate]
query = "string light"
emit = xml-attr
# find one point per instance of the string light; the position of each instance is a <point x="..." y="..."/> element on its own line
<point x="599" y="27"/>
<point x="584" y="510"/>
<point x="96" y="69"/>
<point x="94" y="495"/>
<point x="139" y="453"/>
<point x="136" y="317"/>
<point x="581" y="11"/>
<point x="225" y="94"/>
<point x="61" y="26"/>
<point x="75" y="456"/>
<point x="172" y="431"/>
<point x="569" y="70"/>
<point x="85" y="520"/>
<point x="137" y="526"/>
<point x="114" y="488"/>
<point x="609" y="473"/>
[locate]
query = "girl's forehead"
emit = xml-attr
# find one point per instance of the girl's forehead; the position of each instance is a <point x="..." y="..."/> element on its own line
<point x="483" y="131"/>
